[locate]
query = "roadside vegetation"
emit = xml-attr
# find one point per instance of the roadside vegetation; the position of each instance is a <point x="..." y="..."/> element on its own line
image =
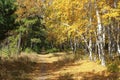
<point x="85" y="31"/>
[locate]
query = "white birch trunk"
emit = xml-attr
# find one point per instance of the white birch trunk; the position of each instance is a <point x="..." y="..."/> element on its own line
<point x="90" y="39"/>
<point x="19" y="43"/>
<point x="118" y="48"/>
<point x="103" y="37"/>
<point x="99" y="28"/>
<point x="89" y="46"/>
<point x="109" y="42"/>
<point x="90" y="49"/>
<point x="100" y="38"/>
<point x="118" y="38"/>
<point x="71" y="44"/>
<point x="75" y="45"/>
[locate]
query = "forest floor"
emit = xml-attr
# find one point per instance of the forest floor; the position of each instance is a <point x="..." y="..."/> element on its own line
<point x="53" y="66"/>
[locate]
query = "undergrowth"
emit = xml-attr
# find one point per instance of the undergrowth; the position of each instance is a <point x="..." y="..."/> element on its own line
<point x="15" y="68"/>
<point x="66" y="76"/>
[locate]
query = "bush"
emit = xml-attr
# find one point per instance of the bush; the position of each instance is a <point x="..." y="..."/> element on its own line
<point x="52" y="50"/>
<point x="67" y="59"/>
<point x="5" y="52"/>
<point x="15" y="68"/>
<point x="28" y="50"/>
<point x="66" y="76"/>
<point x="113" y="67"/>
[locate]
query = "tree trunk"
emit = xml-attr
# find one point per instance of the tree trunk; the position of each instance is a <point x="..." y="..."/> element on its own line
<point x="90" y="49"/>
<point x="118" y="38"/>
<point x="89" y="46"/>
<point x="100" y="38"/>
<point x="75" y="45"/>
<point x="19" y="42"/>
<point x="109" y="42"/>
<point x="71" y="44"/>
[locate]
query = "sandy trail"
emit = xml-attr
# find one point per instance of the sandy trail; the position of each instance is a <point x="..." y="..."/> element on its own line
<point x="81" y="70"/>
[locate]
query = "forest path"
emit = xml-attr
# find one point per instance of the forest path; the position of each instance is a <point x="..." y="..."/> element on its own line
<point x="45" y="66"/>
<point x="47" y="69"/>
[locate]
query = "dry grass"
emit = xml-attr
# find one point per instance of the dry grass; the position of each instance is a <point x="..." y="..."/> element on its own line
<point x="66" y="76"/>
<point x="16" y="68"/>
<point x="58" y="66"/>
<point x="67" y="65"/>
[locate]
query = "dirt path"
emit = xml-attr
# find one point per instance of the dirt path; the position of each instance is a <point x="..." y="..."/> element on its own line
<point x="45" y="66"/>
<point x="47" y="69"/>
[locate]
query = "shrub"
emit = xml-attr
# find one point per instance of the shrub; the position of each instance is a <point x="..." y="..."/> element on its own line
<point x="66" y="76"/>
<point x="113" y="67"/>
<point x="4" y="52"/>
<point x="52" y="50"/>
<point x="13" y="68"/>
<point x="67" y="59"/>
<point x="28" y="50"/>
